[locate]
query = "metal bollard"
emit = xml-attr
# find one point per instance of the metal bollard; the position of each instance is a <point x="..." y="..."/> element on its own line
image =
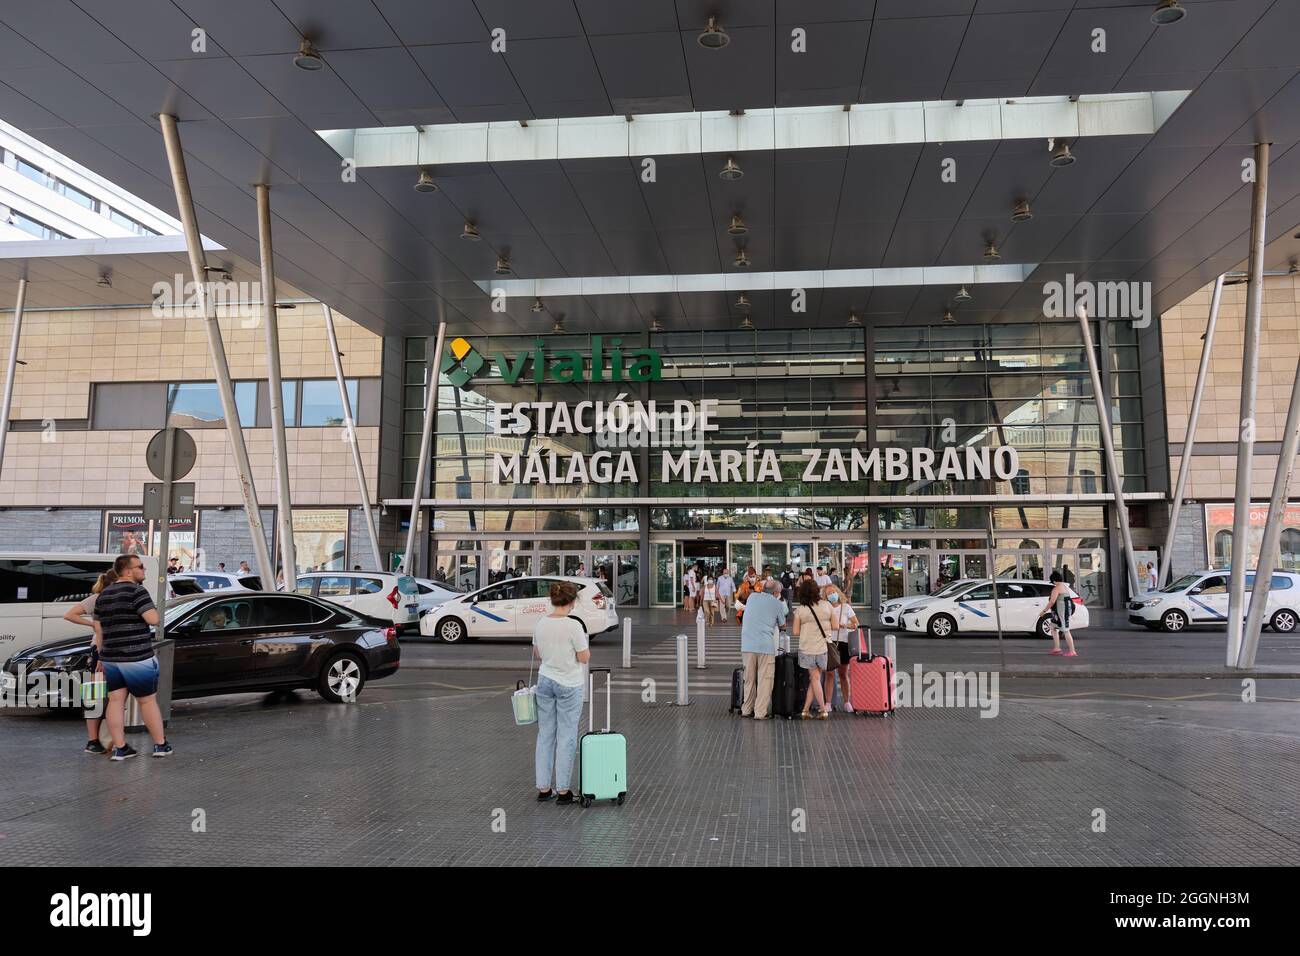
<point x="891" y="652"/>
<point x="701" y="659"/>
<point x="627" y="642"/>
<point x="683" y="675"/>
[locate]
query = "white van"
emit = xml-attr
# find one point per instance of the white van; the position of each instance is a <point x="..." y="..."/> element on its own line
<point x="1201" y="598"/>
<point x="37" y="588"/>
<point x="379" y="594"/>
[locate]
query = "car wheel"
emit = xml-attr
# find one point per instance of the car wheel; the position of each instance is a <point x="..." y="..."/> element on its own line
<point x="941" y="625"/>
<point x="1044" y="628"/>
<point x="342" y="678"/>
<point x="1284" y="621"/>
<point x="1174" y="621"/>
<point x="451" y="630"/>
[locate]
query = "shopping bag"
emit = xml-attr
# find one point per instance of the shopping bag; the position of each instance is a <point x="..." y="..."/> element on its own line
<point x="524" y="703"/>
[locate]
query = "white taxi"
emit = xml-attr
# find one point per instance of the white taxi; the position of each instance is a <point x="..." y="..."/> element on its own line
<point x="511" y="608"/>
<point x="972" y="609"/>
<point x="891" y="612"/>
<point x="379" y="594"/>
<point x="1201" y="598"/>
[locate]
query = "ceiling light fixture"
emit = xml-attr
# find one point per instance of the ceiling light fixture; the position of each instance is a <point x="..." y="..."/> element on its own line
<point x="962" y="295"/>
<point x="1021" y="212"/>
<point x="713" y="37"/>
<point x="743" y="304"/>
<point x="991" y="251"/>
<point x="1293" y="268"/>
<point x="1167" y="12"/>
<point x="559" y="323"/>
<point x="737" y="227"/>
<point x="1061" y="156"/>
<point x="503" y="266"/>
<point x="747" y="325"/>
<point x="854" y="321"/>
<point x="537" y="305"/>
<point x="655" y="324"/>
<point x="425" y="183"/>
<point x="106" y="280"/>
<point x="730" y="171"/>
<point x="307" y="58"/>
<point x="741" y="260"/>
<point x="948" y="318"/>
<point x="470" y="232"/>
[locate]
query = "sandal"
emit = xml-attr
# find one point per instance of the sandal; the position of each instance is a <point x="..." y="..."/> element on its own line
<point x="824" y="715"/>
<point x="805" y="716"/>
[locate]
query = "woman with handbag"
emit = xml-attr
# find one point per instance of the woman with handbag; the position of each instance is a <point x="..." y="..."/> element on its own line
<point x="813" y="627"/>
<point x="844" y="622"/>
<point x="560" y="643"/>
<point x="83" y="613"/>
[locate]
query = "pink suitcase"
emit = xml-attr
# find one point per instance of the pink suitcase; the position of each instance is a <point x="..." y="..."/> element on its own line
<point x="871" y="682"/>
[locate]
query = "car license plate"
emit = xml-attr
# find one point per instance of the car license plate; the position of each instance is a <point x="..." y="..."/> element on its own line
<point x="8" y="681"/>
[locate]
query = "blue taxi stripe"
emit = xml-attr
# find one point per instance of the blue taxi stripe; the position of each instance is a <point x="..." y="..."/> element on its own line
<point x="478" y="610"/>
<point x="973" y="610"/>
<point x="1202" y="604"/>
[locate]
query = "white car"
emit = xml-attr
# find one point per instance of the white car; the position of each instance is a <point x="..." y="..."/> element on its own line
<point x="970" y="609"/>
<point x="511" y="608"/>
<point x="1201" y="598"/>
<point x="433" y="593"/>
<point x="378" y="594"/>
<point x="891" y="611"/>
<point x="193" y="582"/>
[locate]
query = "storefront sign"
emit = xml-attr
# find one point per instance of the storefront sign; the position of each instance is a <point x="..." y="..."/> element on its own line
<point x="1218" y="533"/>
<point x="609" y="361"/>
<point x="130" y="532"/>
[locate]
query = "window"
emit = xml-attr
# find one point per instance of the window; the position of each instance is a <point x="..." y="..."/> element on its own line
<point x="305" y="585"/>
<point x="20" y="581"/>
<point x="126" y="222"/>
<point x="502" y="592"/>
<point x="320" y="401"/>
<point x="1214" y="585"/>
<point x="289" y="402"/>
<point x="1088" y="481"/>
<point x="1020" y="483"/>
<point x="33" y="172"/>
<point x="334" y="587"/>
<point x="35" y="227"/>
<point x="76" y="195"/>
<point x="70" y="581"/>
<point x="198" y="404"/>
<point x="289" y="612"/>
<point x="368" y="585"/>
<point x="226" y="615"/>
<point x="1223" y="549"/>
<point x="982" y="593"/>
<point x="1008" y="590"/>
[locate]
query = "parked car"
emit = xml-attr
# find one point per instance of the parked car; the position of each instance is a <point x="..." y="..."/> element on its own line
<point x="195" y="582"/>
<point x="511" y="608"/>
<point x="1201" y="598"/>
<point x="891" y="611"/>
<point x="433" y="593"/>
<point x="971" y="609"/>
<point x="377" y="594"/>
<point x="228" y="643"/>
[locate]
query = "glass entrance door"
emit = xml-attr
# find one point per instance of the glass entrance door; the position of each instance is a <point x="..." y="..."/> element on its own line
<point x="619" y="570"/>
<point x="975" y="566"/>
<point x="947" y="569"/>
<point x="918" y="574"/>
<point x="773" y="557"/>
<point x="663" y="575"/>
<point x="741" y="556"/>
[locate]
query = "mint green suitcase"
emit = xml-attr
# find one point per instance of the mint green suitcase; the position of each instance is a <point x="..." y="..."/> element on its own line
<point x="602" y="754"/>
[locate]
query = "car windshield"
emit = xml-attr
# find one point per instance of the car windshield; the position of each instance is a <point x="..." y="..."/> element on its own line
<point x="948" y="588"/>
<point x="1182" y="584"/>
<point x="176" y="610"/>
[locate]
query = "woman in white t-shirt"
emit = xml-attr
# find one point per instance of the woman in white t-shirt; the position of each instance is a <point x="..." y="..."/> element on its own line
<point x="560" y="642"/>
<point x="710" y="596"/>
<point x="844" y="620"/>
<point x="83" y="613"/>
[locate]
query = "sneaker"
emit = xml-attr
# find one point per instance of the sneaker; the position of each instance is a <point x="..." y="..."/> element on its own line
<point x="163" y="749"/>
<point x="847" y="708"/>
<point x="95" y="747"/>
<point x="564" y="798"/>
<point x="828" y="709"/>
<point x="123" y="753"/>
<point x="544" y="795"/>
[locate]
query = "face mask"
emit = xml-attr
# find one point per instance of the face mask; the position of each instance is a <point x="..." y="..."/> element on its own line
<point x="835" y="599"/>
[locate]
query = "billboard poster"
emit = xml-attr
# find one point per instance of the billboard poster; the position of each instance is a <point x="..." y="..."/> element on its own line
<point x="1218" y="534"/>
<point x="129" y="532"/>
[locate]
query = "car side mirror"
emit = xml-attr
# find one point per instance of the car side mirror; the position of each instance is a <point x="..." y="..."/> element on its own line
<point x="184" y="629"/>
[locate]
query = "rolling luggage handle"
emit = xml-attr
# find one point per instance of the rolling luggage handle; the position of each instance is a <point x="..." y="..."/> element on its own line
<point x="591" y="695"/>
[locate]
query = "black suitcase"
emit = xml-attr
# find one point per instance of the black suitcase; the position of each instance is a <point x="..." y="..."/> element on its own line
<point x="789" y="686"/>
<point x="737" y="690"/>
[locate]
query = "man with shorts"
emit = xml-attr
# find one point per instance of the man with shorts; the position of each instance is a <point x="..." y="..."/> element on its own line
<point x="127" y="617"/>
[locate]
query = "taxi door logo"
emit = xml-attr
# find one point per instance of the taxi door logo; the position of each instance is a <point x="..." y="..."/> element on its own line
<point x="461" y="363"/>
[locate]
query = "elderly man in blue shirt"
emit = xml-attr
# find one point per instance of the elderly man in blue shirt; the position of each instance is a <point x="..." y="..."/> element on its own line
<point x="764" y="613"/>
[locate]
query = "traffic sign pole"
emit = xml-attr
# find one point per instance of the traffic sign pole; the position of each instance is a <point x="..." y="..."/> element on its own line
<point x="164" y="545"/>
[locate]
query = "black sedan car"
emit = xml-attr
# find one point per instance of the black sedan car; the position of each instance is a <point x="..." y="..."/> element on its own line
<point x="251" y="641"/>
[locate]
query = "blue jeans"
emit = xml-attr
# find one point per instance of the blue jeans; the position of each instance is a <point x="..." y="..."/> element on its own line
<point x="558" y="711"/>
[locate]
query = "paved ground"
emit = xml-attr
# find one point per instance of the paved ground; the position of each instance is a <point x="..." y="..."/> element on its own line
<point x="423" y="766"/>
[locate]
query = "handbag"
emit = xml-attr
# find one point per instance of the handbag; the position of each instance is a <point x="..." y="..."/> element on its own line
<point x="832" y="649"/>
<point x="524" y="700"/>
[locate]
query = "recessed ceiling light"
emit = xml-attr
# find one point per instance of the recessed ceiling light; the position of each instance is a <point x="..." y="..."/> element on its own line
<point x="537" y="305"/>
<point x="948" y="318"/>
<point x="991" y="251"/>
<point x="1061" y="156"/>
<point x="741" y="260"/>
<point x="737" y="227"/>
<point x="470" y="232"/>
<point x="962" y="295"/>
<point x="713" y="37"/>
<point x="1167" y="12"/>
<point x="503" y="266"/>
<point x="747" y="324"/>
<point x="307" y="58"/>
<point x="425" y="183"/>
<point x="742" y="303"/>
<point x="1021" y="211"/>
<point x="854" y="321"/>
<point x="730" y="171"/>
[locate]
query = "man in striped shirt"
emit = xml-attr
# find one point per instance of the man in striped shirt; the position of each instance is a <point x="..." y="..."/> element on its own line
<point x="127" y="617"/>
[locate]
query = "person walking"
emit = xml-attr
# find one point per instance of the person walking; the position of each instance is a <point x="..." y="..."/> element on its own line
<point x="764" y="614"/>
<point x="1153" y="579"/>
<point x="1067" y="574"/>
<point x="812" y="626"/>
<point x="560" y="643"/>
<point x="688" y="593"/>
<point x="244" y="568"/>
<point x="83" y="613"/>
<point x="710" y="595"/>
<point x="822" y="578"/>
<point x="787" y="585"/>
<point x="221" y="566"/>
<point x="1060" y="605"/>
<point x="127" y="617"/>
<point x="844" y="623"/>
<point x="726" y="592"/>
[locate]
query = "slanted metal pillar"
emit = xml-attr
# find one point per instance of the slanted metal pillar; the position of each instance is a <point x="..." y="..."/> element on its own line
<point x="1113" y="476"/>
<point x="280" y="447"/>
<point x="1189" y="440"/>
<point x="1248" y="421"/>
<point x="426" y="445"/>
<point x="12" y="368"/>
<point x="216" y="349"/>
<point x="351" y="425"/>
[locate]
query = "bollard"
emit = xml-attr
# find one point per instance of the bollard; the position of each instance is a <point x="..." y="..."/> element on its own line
<point x="891" y="652"/>
<point x="701" y="660"/>
<point x="627" y="642"/>
<point x="683" y="677"/>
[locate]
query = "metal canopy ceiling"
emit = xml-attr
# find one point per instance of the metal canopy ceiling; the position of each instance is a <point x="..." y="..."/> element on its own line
<point x="1170" y="208"/>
